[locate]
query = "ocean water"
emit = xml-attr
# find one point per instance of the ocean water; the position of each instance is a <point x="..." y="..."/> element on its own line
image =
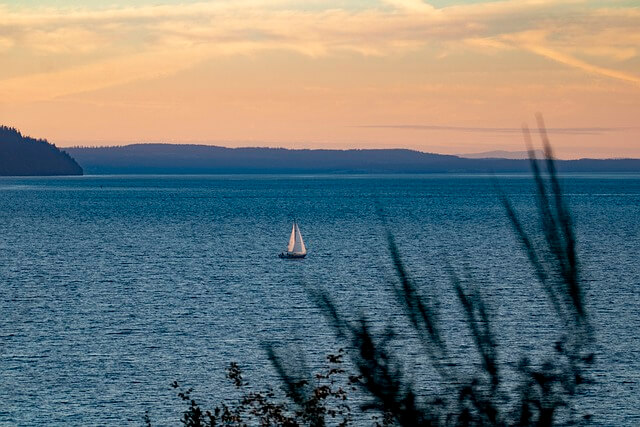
<point x="112" y="287"/>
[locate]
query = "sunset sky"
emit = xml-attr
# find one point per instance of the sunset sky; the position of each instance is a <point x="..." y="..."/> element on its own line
<point x="437" y="76"/>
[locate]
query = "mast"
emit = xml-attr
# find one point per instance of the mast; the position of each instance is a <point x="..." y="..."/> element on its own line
<point x="292" y="238"/>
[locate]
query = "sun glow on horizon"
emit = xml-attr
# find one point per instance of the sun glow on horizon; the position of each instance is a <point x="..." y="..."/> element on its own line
<point x="441" y="76"/>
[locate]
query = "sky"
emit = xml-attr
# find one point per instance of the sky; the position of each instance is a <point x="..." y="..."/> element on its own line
<point x="437" y="76"/>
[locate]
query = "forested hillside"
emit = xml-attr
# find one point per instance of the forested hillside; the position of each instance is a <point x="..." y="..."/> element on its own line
<point x="24" y="156"/>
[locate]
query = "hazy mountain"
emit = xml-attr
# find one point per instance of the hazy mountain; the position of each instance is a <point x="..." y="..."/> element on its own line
<point x="23" y="156"/>
<point x="500" y="154"/>
<point x="198" y="159"/>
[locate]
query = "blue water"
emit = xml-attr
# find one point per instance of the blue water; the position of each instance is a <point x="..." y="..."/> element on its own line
<point x="112" y="287"/>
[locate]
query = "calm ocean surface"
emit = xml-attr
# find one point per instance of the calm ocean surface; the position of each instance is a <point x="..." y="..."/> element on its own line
<point x="112" y="287"/>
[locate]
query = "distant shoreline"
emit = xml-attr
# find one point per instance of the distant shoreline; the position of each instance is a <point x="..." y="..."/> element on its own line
<point x="178" y="159"/>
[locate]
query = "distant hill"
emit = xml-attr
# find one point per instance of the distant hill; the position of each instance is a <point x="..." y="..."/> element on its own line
<point x="24" y="156"/>
<point x="500" y="154"/>
<point x="201" y="159"/>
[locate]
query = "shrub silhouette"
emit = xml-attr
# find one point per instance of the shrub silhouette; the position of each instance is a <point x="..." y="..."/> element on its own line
<point x="548" y="389"/>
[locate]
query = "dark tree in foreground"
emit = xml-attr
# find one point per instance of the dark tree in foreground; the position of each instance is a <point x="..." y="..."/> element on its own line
<point x="548" y="389"/>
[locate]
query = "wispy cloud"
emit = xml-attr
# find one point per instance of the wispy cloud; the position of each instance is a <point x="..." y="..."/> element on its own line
<point x="95" y="76"/>
<point x="501" y="130"/>
<point x="582" y="65"/>
<point x="418" y="6"/>
<point x="84" y="41"/>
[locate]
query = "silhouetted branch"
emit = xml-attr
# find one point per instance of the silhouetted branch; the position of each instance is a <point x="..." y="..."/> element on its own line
<point x="422" y="317"/>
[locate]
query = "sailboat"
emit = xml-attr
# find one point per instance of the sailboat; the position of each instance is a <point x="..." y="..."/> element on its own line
<point x="296" y="248"/>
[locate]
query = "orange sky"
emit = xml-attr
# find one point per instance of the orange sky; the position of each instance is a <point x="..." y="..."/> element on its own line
<point x="447" y="77"/>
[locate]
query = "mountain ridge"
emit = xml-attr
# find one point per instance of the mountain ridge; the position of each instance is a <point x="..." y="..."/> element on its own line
<point x="149" y="158"/>
<point x="502" y="154"/>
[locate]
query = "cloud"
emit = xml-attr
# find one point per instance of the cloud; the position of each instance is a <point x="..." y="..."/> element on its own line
<point x="94" y="76"/>
<point x="412" y="6"/>
<point x="582" y="65"/>
<point x="501" y="130"/>
<point x="82" y="41"/>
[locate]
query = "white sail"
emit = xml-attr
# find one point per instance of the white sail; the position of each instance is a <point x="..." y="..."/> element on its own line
<point x="298" y="247"/>
<point x="292" y="239"/>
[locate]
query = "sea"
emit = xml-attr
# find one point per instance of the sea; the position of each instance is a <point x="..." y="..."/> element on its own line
<point x="114" y="287"/>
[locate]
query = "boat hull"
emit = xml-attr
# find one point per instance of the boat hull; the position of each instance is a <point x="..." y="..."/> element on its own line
<point x="286" y="255"/>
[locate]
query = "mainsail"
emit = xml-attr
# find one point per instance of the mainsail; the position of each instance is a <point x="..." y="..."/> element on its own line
<point x="296" y="244"/>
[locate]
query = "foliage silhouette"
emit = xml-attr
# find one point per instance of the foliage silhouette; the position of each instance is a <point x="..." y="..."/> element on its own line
<point x="309" y="402"/>
<point x="547" y="390"/>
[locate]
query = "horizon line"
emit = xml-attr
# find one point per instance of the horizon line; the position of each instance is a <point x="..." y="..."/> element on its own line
<point x="461" y="155"/>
